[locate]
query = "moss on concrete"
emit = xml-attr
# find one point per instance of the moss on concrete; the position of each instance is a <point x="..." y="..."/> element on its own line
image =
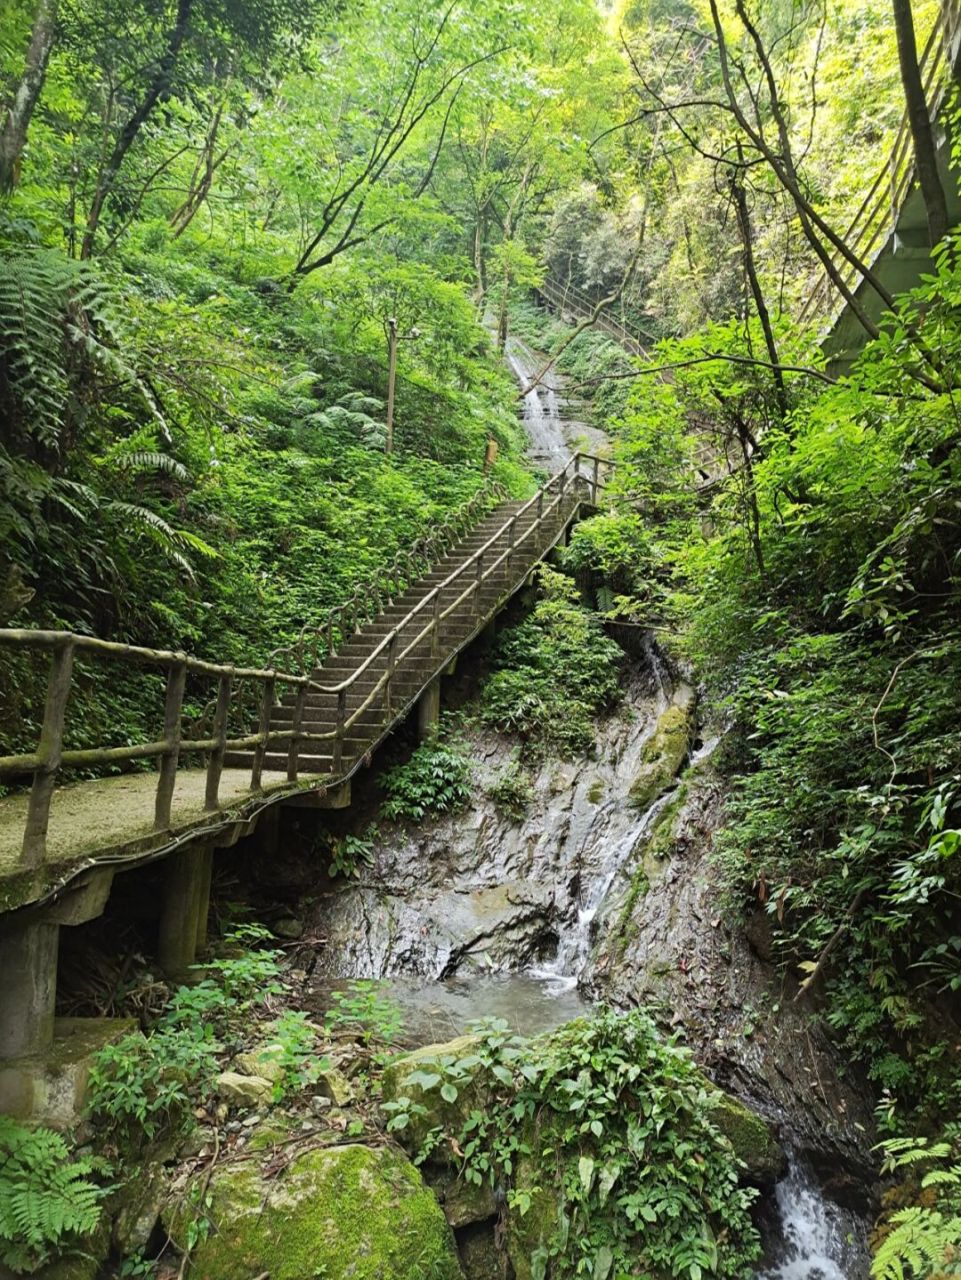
<point x="663" y="754"/>
<point x="341" y="1213"/>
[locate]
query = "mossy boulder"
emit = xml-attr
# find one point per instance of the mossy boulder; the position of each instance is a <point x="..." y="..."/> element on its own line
<point x="753" y="1140"/>
<point x="663" y="755"/>
<point x="407" y="1077"/>
<point x="344" y="1213"/>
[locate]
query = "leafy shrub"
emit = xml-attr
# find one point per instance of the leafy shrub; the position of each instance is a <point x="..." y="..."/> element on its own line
<point x="436" y="779"/>
<point x="48" y="1202"/>
<point x="554" y="672"/>
<point x="296" y="1038"/>
<point x="618" y="1123"/>
<point x="147" y="1083"/>
<point x="350" y="854"/>
<point x="362" y="1009"/>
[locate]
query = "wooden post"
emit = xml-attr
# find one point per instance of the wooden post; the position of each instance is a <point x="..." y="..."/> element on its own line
<point x="391" y="381"/>
<point x="435" y="633"/>
<point x="296" y="728"/>
<point x="330" y="635"/>
<point x="49" y="751"/>
<point x="173" y="708"/>
<point x="260" y="750"/>
<point x="391" y="661"/>
<point x="490" y="456"/>
<point x="215" y="765"/>
<point x="478" y="582"/>
<point x="339" y="738"/>
<point x="594" y="482"/>
<point x="511" y="536"/>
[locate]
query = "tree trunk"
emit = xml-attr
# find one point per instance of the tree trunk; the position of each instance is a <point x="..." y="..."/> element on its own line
<point x="159" y="85"/>
<point x="739" y="196"/>
<point x="13" y="136"/>
<point x="919" y="117"/>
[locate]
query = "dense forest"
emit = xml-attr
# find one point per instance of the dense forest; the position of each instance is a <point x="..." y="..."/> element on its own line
<point x="261" y="262"/>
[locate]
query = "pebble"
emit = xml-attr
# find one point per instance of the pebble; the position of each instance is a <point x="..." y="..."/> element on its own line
<point x="307" y="1126"/>
<point x="319" y="1105"/>
<point x="249" y="1121"/>
<point x="234" y="1126"/>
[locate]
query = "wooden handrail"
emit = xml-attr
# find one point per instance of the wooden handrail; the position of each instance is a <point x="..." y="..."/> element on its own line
<point x="572" y="486"/>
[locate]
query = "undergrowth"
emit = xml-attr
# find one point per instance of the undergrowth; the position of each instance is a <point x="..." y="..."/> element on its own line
<point x="553" y="673"/>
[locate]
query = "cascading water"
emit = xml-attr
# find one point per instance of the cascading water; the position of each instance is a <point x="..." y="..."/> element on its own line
<point x="814" y="1239"/>
<point x="567" y="967"/>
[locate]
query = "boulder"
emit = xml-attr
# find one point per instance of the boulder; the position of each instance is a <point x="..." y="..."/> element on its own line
<point x="243" y="1091"/>
<point x="753" y="1141"/>
<point x="265" y="1061"/>
<point x="401" y="1081"/>
<point x="662" y="755"/>
<point x="463" y="1202"/>
<point x="334" y="1086"/>
<point x="346" y="1213"/>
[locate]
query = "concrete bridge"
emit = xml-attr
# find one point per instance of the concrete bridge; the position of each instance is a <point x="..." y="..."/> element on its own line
<point x="294" y="733"/>
<point x="889" y="232"/>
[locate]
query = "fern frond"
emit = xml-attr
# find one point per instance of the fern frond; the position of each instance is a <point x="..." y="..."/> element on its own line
<point x="151" y="460"/>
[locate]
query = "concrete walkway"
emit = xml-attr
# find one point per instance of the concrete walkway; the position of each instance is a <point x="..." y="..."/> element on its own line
<point x="100" y="819"/>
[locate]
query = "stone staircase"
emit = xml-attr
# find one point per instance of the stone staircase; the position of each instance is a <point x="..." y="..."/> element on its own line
<point x="376" y="676"/>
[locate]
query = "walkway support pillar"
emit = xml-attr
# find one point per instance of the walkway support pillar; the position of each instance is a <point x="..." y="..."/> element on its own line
<point x="428" y="710"/>
<point x="183" y="920"/>
<point x="28" y="962"/>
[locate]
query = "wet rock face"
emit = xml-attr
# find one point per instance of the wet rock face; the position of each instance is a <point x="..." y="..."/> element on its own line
<point x="479" y="891"/>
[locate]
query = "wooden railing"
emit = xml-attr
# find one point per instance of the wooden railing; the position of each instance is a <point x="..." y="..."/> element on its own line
<point x="878" y="213"/>
<point x="572" y="298"/>
<point x="579" y="482"/>
<point x="314" y="643"/>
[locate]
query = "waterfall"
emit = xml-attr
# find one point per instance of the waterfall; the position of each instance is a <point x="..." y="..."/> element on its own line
<point x="814" y="1238"/>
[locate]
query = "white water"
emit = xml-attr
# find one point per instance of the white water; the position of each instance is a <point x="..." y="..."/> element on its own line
<point x="817" y="1239"/>
<point x="574" y="947"/>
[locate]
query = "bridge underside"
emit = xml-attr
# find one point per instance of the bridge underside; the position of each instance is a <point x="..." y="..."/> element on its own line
<point x="904" y="258"/>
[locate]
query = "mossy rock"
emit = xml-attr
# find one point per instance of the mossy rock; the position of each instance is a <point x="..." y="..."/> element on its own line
<point x="663" y="755"/>
<point x="753" y="1141"/>
<point x="399" y="1081"/>
<point x="340" y="1213"/>
<point x="528" y="1232"/>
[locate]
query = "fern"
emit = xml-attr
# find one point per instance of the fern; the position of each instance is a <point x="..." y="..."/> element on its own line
<point x="47" y="1201"/>
<point x="922" y="1241"/>
<point x="55" y="314"/>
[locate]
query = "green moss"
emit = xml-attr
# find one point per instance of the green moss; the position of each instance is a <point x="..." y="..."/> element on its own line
<point x="341" y="1213"/>
<point x="595" y="792"/>
<point x="663" y="754"/>
<point x="752" y="1139"/>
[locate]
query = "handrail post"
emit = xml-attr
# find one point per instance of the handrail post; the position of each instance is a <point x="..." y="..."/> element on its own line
<point x="511" y="536"/>
<point x="339" y="734"/>
<point x="330" y="635"/>
<point x="296" y="728"/>
<point x="478" y="582"/>
<point x="50" y="749"/>
<point x="435" y="626"/>
<point x="215" y="765"/>
<point x="167" y="778"/>
<point x="391" y="662"/>
<point x="594" y="481"/>
<point x="263" y="729"/>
